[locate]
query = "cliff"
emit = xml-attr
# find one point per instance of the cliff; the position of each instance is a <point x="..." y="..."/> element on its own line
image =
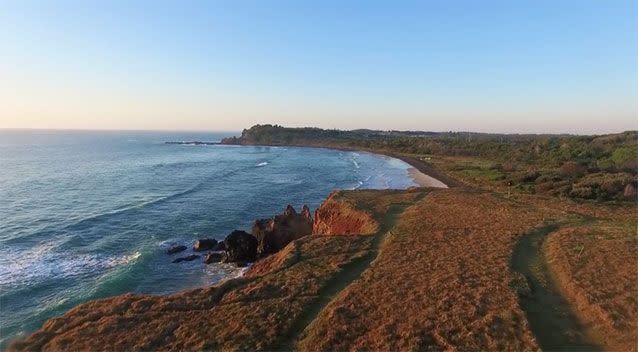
<point x="275" y="233"/>
<point x="420" y="269"/>
<point x="338" y="216"/>
<point x="252" y="312"/>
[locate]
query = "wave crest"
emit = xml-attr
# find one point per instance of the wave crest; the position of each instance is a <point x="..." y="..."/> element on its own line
<point x="43" y="262"/>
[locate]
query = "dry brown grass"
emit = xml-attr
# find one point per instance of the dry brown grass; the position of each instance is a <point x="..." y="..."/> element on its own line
<point x="596" y="267"/>
<point x="441" y="281"/>
<point x="562" y="208"/>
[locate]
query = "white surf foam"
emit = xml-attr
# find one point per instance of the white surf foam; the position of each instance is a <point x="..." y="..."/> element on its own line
<point x="18" y="267"/>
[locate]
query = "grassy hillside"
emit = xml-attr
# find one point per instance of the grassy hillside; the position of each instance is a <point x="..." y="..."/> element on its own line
<point x="444" y="269"/>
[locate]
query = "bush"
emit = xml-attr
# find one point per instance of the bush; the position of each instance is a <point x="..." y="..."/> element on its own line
<point x="604" y="186"/>
<point x="554" y="187"/>
<point x="625" y="157"/>
<point x="573" y="169"/>
<point x="585" y="192"/>
<point x="529" y="176"/>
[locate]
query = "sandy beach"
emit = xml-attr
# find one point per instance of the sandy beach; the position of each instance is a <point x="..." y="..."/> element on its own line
<point x="424" y="180"/>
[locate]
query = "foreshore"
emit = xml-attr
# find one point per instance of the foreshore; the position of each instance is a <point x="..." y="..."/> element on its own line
<point x="423" y="173"/>
<point x="428" y="176"/>
<point x="424" y="180"/>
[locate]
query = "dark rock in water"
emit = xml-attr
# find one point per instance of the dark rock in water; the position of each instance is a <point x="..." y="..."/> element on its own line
<point x="275" y="233"/>
<point x="204" y="244"/>
<point x="213" y="258"/>
<point x="290" y="211"/>
<point x="241" y="264"/>
<point x="175" y="249"/>
<point x="240" y="246"/>
<point x="221" y="246"/>
<point x="186" y="259"/>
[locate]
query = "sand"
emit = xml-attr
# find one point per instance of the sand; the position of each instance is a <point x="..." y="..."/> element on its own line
<point x="424" y="180"/>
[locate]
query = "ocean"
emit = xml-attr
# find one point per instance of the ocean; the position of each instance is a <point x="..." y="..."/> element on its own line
<point x="85" y="215"/>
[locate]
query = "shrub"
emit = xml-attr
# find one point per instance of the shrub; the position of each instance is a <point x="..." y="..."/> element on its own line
<point x="529" y="176"/>
<point x="603" y="186"/>
<point x="625" y="157"/>
<point x="573" y="169"/>
<point x="554" y="187"/>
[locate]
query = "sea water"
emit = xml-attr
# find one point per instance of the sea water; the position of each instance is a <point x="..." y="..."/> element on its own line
<point x="86" y="215"/>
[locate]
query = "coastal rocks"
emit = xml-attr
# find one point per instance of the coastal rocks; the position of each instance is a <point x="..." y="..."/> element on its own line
<point x="175" y="249"/>
<point x="268" y="236"/>
<point x="213" y="257"/>
<point x="221" y="246"/>
<point x="240" y="247"/>
<point x="204" y="244"/>
<point x="187" y="258"/>
<point x="275" y="233"/>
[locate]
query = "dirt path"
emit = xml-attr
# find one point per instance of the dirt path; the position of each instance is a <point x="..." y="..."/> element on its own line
<point x="343" y="279"/>
<point x="549" y="315"/>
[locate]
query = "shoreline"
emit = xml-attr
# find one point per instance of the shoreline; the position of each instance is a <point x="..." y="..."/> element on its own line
<point x="424" y="180"/>
<point x="423" y="173"/>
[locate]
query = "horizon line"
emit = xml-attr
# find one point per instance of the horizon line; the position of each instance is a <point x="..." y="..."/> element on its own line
<point x="273" y="124"/>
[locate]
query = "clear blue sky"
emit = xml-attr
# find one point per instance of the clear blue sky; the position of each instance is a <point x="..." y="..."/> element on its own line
<point x="505" y="66"/>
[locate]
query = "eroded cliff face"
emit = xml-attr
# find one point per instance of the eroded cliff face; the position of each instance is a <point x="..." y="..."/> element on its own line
<point x="275" y="233"/>
<point x="338" y="216"/>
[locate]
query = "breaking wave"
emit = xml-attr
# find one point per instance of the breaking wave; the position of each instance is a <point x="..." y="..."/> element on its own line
<point x="45" y="263"/>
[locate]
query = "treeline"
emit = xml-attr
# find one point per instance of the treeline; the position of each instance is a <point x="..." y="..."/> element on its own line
<point x="593" y="167"/>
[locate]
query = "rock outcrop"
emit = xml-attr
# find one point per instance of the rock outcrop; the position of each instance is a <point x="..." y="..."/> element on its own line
<point x="204" y="244"/>
<point x="187" y="258"/>
<point x="213" y="257"/>
<point x="219" y="247"/>
<point x="175" y="249"/>
<point x="240" y="247"/>
<point x="275" y="233"/>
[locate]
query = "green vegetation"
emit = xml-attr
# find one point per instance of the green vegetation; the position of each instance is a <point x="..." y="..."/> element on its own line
<point x="588" y="167"/>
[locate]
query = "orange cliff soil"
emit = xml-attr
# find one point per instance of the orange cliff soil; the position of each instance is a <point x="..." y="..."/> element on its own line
<point x="348" y="212"/>
<point x="597" y="270"/>
<point x="336" y="216"/>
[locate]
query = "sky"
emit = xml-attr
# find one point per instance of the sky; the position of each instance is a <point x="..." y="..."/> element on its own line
<point x="459" y="65"/>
